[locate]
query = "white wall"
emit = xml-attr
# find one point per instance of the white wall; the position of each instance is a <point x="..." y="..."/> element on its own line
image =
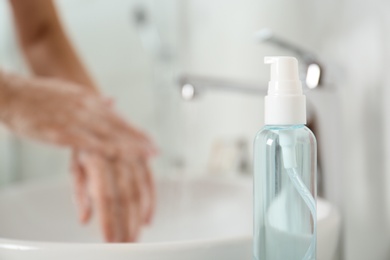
<point x="357" y="45"/>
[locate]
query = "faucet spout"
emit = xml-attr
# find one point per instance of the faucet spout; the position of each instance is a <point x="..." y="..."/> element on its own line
<point x="192" y="86"/>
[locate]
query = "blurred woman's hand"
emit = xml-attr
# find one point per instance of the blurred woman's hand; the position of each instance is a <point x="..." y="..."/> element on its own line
<point x="62" y="113"/>
<point x="121" y="192"/>
<point x="110" y="157"/>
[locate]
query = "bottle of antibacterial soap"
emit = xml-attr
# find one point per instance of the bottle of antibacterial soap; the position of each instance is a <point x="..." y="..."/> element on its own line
<point x="285" y="222"/>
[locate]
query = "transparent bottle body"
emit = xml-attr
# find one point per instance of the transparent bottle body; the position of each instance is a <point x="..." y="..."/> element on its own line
<point x="284" y="196"/>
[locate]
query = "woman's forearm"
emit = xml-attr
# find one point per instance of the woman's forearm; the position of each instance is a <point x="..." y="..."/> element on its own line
<point x="45" y="44"/>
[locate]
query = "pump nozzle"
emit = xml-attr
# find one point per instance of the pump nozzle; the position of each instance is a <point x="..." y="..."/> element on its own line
<point x="283" y="68"/>
<point x="284" y="76"/>
<point x="285" y="104"/>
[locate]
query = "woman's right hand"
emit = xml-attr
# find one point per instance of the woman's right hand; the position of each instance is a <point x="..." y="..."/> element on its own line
<point x="62" y="113"/>
<point x="120" y="193"/>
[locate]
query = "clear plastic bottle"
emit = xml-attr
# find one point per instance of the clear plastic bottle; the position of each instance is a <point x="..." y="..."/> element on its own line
<point x="285" y="165"/>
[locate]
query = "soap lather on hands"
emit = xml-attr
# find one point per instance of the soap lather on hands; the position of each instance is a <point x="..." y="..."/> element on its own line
<point x="63" y="113"/>
<point x="109" y="156"/>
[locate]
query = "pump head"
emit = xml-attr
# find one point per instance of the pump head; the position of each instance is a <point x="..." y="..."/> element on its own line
<point x="285" y="103"/>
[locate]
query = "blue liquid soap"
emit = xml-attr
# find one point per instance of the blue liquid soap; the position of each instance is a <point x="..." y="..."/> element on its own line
<point x="285" y="222"/>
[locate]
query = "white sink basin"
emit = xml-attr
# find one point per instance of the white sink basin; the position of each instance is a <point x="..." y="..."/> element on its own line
<point x="199" y="219"/>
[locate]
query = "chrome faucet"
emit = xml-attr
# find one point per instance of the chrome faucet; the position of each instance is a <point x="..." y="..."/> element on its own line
<point x="312" y="76"/>
<point x="192" y="86"/>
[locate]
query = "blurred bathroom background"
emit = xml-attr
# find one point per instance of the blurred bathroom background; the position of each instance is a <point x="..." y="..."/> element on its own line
<point x="139" y="50"/>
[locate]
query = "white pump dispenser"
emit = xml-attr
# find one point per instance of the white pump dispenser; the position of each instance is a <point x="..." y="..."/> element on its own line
<point x="285" y="103"/>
